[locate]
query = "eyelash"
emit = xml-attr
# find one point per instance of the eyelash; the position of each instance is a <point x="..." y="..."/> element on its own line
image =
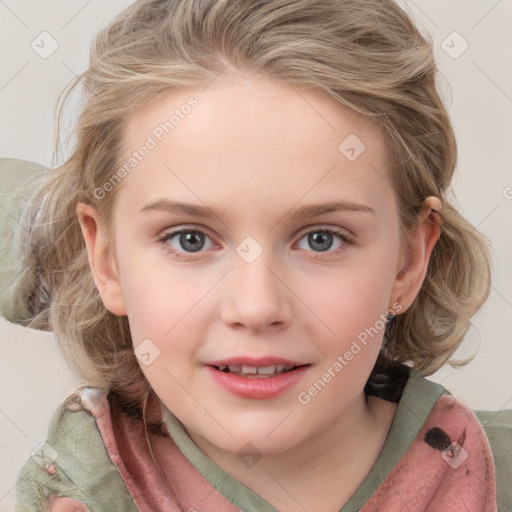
<point x="164" y="239"/>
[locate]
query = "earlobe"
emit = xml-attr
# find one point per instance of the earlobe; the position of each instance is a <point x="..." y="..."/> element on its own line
<point x="101" y="260"/>
<point x="420" y="243"/>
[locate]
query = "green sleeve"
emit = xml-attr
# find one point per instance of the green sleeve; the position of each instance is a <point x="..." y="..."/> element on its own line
<point x="498" y="428"/>
<point x="83" y="469"/>
<point x="19" y="179"/>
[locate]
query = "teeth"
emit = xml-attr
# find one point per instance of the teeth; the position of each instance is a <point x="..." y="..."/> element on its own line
<point x="267" y="370"/>
<point x="248" y="369"/>
<point x="253" y="370"/>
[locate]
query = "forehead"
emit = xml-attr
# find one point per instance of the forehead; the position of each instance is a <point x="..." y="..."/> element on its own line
<point x="244" y="137"/>
<point x="261" y="106"/>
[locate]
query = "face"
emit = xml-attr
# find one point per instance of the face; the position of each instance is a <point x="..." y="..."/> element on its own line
<point x="258" y="309"/>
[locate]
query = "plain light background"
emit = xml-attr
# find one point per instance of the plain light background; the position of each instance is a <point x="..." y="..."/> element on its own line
<point x="473" y="47"/>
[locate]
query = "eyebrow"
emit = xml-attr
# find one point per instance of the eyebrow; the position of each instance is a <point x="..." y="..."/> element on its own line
<point x="312" y="210"/>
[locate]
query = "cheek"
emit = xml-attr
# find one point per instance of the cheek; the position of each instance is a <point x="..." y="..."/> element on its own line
<point x="158" y="296"/>
<point x="355" y="310"/>
<point x="167" y="310"/>
<point x="354" y="298"/>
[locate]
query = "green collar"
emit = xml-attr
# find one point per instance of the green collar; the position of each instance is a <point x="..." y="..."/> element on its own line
<point x="418" y="399"/>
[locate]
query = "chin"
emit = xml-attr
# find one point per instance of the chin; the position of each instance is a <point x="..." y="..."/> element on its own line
<point x="256" y="439"/>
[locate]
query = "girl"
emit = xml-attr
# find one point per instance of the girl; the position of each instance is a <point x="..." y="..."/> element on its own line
<point x="250" y="260"/>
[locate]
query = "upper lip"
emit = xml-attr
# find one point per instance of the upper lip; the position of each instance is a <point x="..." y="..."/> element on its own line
<point x="258" y="362"/>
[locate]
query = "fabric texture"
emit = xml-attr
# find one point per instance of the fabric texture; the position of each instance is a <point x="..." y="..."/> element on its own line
<point x="437" y="457"/>
<point x="448" y="467"/>
<point x="19" y="179"/>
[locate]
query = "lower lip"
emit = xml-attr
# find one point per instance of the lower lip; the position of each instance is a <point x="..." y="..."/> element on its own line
<point x="258" y="388"/>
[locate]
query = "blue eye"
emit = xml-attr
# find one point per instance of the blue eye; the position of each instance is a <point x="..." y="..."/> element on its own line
<point x="183" y="243"/>
<point x="189" y="241"/>
<point x="323" y="239"/>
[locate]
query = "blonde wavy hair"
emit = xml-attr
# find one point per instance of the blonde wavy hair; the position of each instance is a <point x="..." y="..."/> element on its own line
<point x="365" y="54"/>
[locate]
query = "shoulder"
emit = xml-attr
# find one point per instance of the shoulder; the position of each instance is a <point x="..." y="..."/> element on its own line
<point x="498" y="429"/>
<point x="421" y="394"/>
<point x="73" y="463"/>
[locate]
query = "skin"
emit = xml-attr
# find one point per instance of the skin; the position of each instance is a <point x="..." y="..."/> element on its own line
<point x="258" y="149"/>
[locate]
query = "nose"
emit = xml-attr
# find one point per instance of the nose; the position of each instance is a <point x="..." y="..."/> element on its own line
<point x="256" y="296"/>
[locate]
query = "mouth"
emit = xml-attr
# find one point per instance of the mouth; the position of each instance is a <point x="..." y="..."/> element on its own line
<point x="252" y="372"/>
<point x="262" y="378"/>
<point x="256" y="367"/>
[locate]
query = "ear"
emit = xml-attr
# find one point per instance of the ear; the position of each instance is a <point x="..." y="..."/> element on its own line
<point x="420" y="242"/>
<point x="101" y="259"/>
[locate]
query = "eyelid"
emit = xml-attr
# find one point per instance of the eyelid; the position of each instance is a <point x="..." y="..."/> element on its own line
<point x="326" y="227"/>
<point x="344" y="234"/>
<point x="174" y="230"/>
<point x="303" y="231"/>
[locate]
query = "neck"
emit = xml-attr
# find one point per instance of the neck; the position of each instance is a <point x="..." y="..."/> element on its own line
<point x="325" y="469"/>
